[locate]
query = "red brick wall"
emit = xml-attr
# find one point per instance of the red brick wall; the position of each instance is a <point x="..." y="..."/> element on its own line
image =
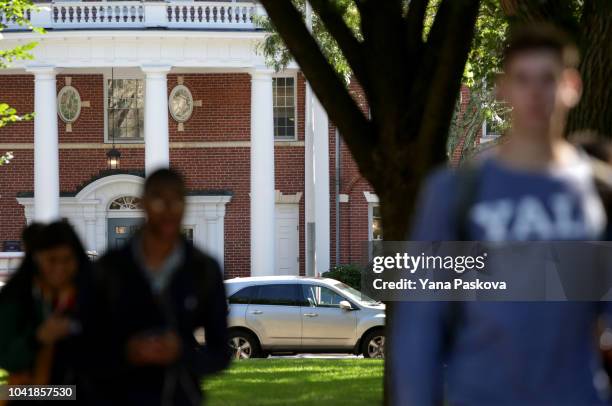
<point x="223" y="168"/>
<point x="18" y="91"/>
<point x="78" y="166"/>
<point x="224" y="116"/>
<point x="225" y="112"/>
<point x="457" y="153"/>
<point x="89" y="126"/>
<point x="16" y="177"/>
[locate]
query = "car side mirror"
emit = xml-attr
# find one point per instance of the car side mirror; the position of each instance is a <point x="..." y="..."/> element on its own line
<point x="345" y="305"/>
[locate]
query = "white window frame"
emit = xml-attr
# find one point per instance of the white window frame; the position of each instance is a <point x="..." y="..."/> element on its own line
<point x="107" y="77"/>
<point x="295" y="106"/>
<point x="371" y="207"/>
<point x="191" y="227"/>
<point x="373" y="201"/>
<point x="486" y="136"/>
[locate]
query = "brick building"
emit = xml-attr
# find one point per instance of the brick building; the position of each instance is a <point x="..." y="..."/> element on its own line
<point x="177" y="85"/>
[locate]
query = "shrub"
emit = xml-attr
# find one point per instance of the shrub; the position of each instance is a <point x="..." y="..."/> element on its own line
<point x="349" y="274"/>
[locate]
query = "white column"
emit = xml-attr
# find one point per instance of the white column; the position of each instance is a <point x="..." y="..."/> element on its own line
<point x="157" y="144"/>
<point x="262" y="174"/>
<point x="321" y="185"/>
<point x="309" y="205"/>
<point x="46" y="153"/>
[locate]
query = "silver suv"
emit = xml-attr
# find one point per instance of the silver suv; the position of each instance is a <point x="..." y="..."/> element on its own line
<point x="288" y="314"/>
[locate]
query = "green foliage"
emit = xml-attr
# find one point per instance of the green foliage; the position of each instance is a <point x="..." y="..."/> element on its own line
<point x="278" y="56"/>
<point x="9" y="115"/>
<point x="484" y="59"/>
<point x="483" y="65"/>
<point x="16" y="11"/>
<point x="299" y="382"/>
<point x="483" y="62"/>
<point x="467" y="121"/>
<point x="349" y="274"/>
<point x="19" y="52"/>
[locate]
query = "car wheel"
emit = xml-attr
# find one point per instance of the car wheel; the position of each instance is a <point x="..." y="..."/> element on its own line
<point x="244" y="345"/>
<point x="373" y="344"/>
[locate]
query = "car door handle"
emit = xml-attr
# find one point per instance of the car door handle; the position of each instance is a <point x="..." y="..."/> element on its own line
<point x="310" y="314"/>
<point x="256" y="312"/>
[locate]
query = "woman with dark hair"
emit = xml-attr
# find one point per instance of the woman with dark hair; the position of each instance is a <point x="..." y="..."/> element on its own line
<point x="39" y="309"/>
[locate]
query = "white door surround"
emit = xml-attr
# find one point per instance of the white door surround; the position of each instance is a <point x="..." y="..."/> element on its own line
<point x="89" y="210"/>
<point x="287" y="245"/>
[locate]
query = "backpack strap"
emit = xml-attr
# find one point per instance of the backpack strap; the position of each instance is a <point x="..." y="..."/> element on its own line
<point x="468" y="178"/>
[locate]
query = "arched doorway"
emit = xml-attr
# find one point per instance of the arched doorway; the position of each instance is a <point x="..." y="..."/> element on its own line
<point x="113" y="197"/>
<point x="125" y="216"/>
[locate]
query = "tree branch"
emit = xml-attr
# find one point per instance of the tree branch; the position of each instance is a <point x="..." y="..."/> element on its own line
<point x="415" y="21"/>
<point x="350" y="46"/>
<point x="329" y="88"/>
<point x="447" y="50"/>
<point x="384" y="44"/>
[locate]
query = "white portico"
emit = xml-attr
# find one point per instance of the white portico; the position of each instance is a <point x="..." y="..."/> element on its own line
<point x="93" y="207"/>
<point x="147" y="41"/>
<point x="153" y="55"/>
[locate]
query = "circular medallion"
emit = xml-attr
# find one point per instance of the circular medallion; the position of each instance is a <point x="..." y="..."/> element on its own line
<point x="69" y="104"/>
<point x="180" y="103"/>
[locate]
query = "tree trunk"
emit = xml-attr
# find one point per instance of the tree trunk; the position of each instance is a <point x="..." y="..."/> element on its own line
<point x="595" y="109"/>
<point x="411" y="86"/>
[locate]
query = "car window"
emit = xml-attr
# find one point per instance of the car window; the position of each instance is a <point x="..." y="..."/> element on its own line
<point x="354" y="294"/>
<point x="244" y="295"/>
<point x="280" y="295"/>
<point x="321" y="296"/>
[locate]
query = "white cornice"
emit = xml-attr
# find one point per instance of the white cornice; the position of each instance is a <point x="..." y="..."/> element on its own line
<point x="110" y="34"/>
<point x="70" y="49"/>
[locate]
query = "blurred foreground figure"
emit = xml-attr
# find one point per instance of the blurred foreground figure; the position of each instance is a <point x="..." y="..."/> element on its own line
<point x="40" y="309"/>
<point x="535" y="186"/>
<point x="151" y="295"/>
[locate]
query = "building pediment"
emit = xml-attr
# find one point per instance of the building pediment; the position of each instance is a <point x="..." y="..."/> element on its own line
<point x="179" y="49"/>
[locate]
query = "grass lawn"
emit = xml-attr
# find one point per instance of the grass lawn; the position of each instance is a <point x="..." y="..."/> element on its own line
<point x="297" y="382"/>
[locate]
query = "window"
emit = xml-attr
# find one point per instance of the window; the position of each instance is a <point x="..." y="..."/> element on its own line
<point x="125" y="109"/>
<point x="279" y="295"/>
<point x="244" y="295"/>
<point x="187" y="232"/>
<point x="376" y="226"/>
<point x="126" y="203"/>
<point x="321" y="296"/>
<point x="494" y="127"/>
<point x="284" y="107"/>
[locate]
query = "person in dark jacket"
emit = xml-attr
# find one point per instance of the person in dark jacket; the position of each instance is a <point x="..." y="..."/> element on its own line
<point x="150" y="297"/>
<point x="40" y="308"/>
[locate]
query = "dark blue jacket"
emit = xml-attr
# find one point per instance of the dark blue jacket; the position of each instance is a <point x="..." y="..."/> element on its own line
<point x="124" y="305"/>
